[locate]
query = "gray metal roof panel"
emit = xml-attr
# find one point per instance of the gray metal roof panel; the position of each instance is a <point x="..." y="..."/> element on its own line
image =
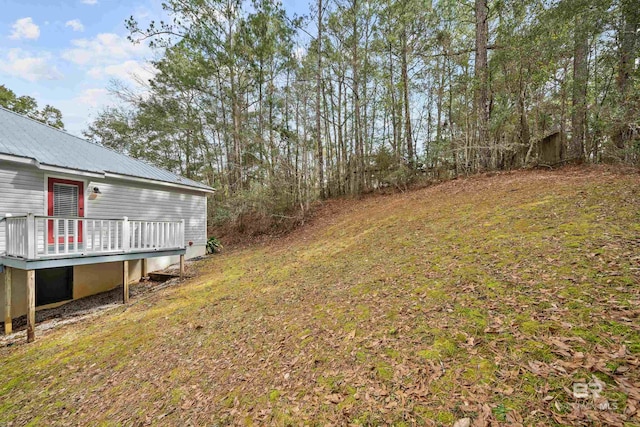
<point x="25" y="137"/>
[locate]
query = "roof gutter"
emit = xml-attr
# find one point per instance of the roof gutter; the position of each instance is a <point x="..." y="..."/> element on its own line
<point x="153" y="181"/>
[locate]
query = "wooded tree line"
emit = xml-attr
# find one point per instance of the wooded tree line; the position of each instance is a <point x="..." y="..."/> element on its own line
<point x="28" y="106"/>
<point x="276" y="111"/>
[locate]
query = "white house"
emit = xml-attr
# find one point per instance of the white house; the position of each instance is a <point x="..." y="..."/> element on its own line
<point x="77" y="219"/>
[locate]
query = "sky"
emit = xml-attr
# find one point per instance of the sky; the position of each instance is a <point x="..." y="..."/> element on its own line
<point x="67" y="52"/>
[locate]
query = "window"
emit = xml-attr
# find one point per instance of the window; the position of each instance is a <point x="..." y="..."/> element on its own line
<point x="65" y="203"/>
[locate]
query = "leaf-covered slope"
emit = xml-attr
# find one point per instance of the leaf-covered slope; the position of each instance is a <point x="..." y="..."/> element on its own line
<point x="485" y="298"/>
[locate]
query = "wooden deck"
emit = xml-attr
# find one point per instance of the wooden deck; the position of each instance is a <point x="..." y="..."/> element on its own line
<point x="35" y="242"/>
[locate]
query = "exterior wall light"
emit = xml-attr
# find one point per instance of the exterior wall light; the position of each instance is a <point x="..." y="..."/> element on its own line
<point x="94" y="193"/>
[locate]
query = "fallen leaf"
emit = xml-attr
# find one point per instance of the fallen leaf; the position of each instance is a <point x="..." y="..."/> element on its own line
<point x="334" y="398"/>
<point x="462" y="422"/>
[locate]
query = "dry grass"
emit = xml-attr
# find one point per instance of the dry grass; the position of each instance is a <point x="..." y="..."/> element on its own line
<point x="485" y="298"/>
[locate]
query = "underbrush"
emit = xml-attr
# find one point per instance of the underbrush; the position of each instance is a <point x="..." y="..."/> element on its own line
<point x="268" y="211"/>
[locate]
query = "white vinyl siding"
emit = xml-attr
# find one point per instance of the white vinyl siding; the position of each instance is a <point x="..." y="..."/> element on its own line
<point x="150" y="202"/>
<point x="21" y="192"/>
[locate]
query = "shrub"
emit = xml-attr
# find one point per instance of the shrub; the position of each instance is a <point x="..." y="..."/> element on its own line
<point x="213" y="245"/>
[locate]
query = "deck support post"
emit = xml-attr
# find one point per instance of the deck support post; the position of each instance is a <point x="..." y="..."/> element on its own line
<point x="8" y="325"/>
<point x="31" y="305"/>
<point x="182" y="267"/>
<point x="125" y="282"/>
<point x="145" y="267"/>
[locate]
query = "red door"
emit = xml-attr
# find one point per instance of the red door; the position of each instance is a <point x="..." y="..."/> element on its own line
<point x="65" y="198"/>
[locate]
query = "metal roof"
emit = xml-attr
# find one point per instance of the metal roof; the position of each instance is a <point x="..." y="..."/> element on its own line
<point x="25" y="137"/>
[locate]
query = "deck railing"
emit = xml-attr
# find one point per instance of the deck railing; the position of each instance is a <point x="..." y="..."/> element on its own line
<point x="34" y="237"/>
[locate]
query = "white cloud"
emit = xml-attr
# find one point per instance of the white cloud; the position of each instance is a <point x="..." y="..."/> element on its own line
<point x="105" y="48"/>
<point x="92" y="97"/>
<point x="30" y="67"/>
<point x="109" y="55"/>
<point x="75" y="25"/>
<point x="131" y="70"/>
<point x="90" y="2"/>
<point x="24" y="28"/>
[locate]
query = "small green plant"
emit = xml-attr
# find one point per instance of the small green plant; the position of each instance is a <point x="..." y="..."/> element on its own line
<point x="500" y="412"/>
<point x="213" y="245"/>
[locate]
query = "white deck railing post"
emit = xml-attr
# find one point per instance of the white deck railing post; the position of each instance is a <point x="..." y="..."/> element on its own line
<point x="84" y="225"/>
<point x="7" y="240"/>
<point x="31" y="236"/>
<point x="126" y="241"/>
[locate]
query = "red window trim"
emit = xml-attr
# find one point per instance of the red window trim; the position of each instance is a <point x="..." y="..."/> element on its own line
<point x="80" y="186"/>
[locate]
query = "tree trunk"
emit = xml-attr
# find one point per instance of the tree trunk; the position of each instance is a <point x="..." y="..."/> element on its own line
<point x="439" y="102"/>
<point x="563" y="115"/>
<point x="407" y="109"/>
<point x="394" y="119"/>
<point x="629" y="39"/>
<point x="237" y="143"/>
<point x="357" y="132"/>
<point x="318" y="106"/>
<point x="482" y="80"/>
<point x="580" y="75"/>
<point x="524" y="134"/>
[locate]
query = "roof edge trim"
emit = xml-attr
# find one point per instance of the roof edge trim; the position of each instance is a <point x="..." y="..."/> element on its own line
<point x="33" y="162"/>
<point x="48" y="168"/>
